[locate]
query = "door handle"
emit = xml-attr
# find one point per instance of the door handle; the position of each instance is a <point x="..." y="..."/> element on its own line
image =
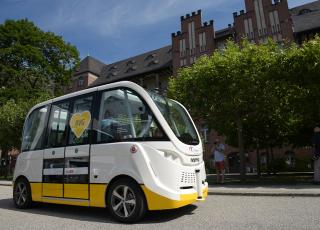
<point x="53" y="152"/>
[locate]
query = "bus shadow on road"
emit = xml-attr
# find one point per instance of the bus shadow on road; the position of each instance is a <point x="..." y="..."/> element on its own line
<point x="94" y="214"/>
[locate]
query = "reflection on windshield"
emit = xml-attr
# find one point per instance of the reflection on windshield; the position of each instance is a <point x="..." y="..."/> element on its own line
<point x="177" y="118"/>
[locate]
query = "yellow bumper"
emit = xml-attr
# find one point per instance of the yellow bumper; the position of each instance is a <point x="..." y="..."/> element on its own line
<point x="158" y="202"/>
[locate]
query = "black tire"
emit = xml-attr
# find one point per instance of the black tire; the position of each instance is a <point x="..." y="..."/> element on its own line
<point x="127" y="208"/>
<point x="22" y="194"/>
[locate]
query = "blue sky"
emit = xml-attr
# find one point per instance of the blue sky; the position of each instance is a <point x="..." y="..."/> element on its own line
<point x="111" y="30"/>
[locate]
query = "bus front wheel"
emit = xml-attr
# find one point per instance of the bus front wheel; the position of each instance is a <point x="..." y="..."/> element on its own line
<point x="22" y="194"/>
<point x="126" y="201"/>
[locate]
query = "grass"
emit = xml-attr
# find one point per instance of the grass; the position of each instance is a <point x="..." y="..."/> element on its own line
<point x="9" y="178"/>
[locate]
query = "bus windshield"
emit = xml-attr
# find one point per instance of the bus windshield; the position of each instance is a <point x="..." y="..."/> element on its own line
<point x="177" y="118"/>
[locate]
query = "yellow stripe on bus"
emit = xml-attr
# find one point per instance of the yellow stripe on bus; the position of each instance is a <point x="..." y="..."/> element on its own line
<point x="36" y="191"/>
<point x="97" y="195"/>
<point x="67" y="202"/>
<point x="52" y="189"/>
<point x="79" y="191"/>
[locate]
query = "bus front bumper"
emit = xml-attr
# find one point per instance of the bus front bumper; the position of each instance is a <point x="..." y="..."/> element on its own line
<point x="158" y="202"/>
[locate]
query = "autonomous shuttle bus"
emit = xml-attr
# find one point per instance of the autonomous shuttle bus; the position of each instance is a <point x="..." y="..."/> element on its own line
<point x="116" y="146"/>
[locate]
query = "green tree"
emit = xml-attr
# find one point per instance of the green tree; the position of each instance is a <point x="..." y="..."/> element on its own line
<point x="244" y="93"/>
<point x="33" y="60"/>
<point x="34" y="66"/>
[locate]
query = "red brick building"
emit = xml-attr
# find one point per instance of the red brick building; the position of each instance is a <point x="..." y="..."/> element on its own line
<point x="88" y="72"/>
<point x="194" y="39"/>
<point x="263" y="19"/>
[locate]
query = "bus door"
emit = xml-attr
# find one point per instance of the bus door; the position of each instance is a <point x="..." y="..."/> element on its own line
<point x="53" y="160"/>
<point x="77" y="153"/>
<point x="66" y="157"/>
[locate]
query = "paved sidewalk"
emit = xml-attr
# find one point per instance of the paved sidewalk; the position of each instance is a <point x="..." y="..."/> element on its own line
<point x="270" y="190"/>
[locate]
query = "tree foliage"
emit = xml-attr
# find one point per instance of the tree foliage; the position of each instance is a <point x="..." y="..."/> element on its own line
<point x="256" y="95"/>
<point x="31" y="59"/>
<point x="12" y="116"/>
<point x="34" y="65"/>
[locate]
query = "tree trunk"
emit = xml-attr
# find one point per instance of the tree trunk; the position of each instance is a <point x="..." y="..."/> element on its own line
<point x="272" y="161"/>
<point x="5" y="157"/>
<point x="258" y="161"/>
<point x="268" y="162"/>
<point x="316" y="177"/>
<point x="241" y="150"/>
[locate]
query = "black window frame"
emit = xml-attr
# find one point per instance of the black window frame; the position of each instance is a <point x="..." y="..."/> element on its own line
<point x="140" y="139"/>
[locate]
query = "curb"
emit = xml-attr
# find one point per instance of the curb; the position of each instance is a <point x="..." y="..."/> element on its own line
<point x="6" y="184"/>
<point x="264" y="194"/>
<point x="222" y="193"/>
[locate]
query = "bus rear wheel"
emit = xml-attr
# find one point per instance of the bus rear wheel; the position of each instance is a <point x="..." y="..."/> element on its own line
<point x="22" y="194"/>
<point x="125" y="201"/>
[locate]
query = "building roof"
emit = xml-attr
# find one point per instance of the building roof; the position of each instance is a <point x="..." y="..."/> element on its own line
<point x="147" y="62"/>
<point x="225" y="32"/>
<point x="306" y="17"/>
<point x="90" y="64"/>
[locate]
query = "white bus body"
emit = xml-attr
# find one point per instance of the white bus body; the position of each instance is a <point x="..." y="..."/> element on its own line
<point x="115" y="146"/>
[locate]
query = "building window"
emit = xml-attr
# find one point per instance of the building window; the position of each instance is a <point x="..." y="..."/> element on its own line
<point x="275" y="25"/>
<point x="183" y="62"/>
<point x="248" y="28"/>
<point x="221" y="45"/>
<point x="182" y="47"/>
<point x="261" y="22"/>
<point x="202" y="41"/>
<point x="304" y="11"/>
<point x="80" y="81"/>
<point x="192" y="59"/>
<point x="192" y="40"/>
<point x="205" y="132"/>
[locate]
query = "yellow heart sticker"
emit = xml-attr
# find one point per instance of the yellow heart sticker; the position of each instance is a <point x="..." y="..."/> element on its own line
<point x="79" y="122"/>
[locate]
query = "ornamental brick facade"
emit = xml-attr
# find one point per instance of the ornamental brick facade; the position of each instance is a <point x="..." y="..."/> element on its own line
<point x="264" y="19"/>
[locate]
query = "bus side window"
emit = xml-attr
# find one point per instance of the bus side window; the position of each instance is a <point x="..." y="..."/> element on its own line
<point x="57" y="126"/>
<point x="124" y="116"/>
<point x="113" y="120"/>
<point x="34" y="129"/>
<point x="80" y="106"/>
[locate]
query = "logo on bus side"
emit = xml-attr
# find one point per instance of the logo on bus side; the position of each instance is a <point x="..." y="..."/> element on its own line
<point x="195" y="159"/>
<point x="79" y="122"/>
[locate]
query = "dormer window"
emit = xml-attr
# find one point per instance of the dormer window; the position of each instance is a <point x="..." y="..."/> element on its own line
<point x="112" y="74"/>
<point x="113" y="67"/>
<point x="150" y="56"/>
<point x="131" y="62"/>
<point x="130" y="69"/>
<point x="153" y="62"/>
<point x="304" y="11"/>
<point x="80" y="81"/>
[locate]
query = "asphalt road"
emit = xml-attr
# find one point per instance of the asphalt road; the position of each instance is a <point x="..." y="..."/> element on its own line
<point x="217" y="212"/>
